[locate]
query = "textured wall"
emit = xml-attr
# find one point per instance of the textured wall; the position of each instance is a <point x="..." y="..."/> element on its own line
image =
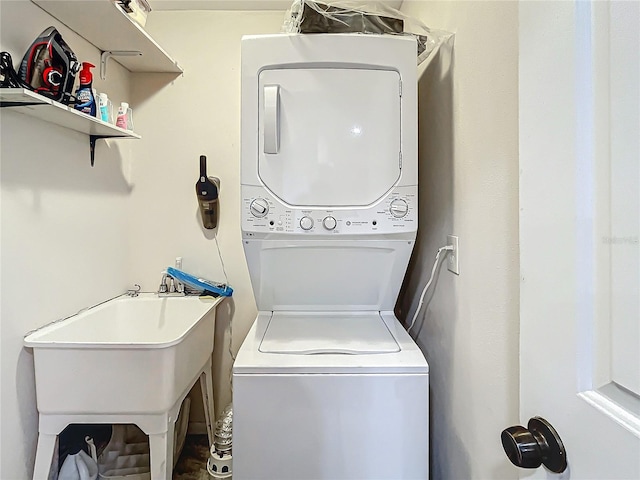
<point x="197" y="113"/>
<point x="63" y="229"/>
<point x="84" y="234"/>
<point x="468" y="140"/>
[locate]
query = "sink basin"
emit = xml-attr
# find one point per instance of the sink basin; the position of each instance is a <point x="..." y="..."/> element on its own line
<point x="127" y="355"/>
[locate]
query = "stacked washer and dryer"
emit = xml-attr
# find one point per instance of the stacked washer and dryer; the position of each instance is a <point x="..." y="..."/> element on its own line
<point x="328" y="384"/>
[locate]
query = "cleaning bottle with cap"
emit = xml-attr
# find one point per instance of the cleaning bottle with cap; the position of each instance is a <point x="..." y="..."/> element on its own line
<point x="104" y="108"/>
<point x="124" y="119"/>
<point x="86" y="102"/>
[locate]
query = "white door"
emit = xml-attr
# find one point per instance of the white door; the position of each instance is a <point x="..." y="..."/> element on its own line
<point x="579" y="232"/>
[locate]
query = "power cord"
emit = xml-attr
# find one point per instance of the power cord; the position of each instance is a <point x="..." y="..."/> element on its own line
<point x="224" y="271"/>
<point x="448" y="248"/>
<point x="10" y="78"/>
<point x="230" y="345"/>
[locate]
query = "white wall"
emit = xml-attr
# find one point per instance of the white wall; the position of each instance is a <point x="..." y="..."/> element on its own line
<point x="469" y="187"/>
<point x="63" y="230"/>
<point x="73" y="235"/>
<point x="198" y="113"/>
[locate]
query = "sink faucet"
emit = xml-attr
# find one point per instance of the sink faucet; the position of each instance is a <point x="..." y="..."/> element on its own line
<point x="169" y="286"/>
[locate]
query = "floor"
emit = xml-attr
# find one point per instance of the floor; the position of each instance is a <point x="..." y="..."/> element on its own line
<point x="192" y="464"/>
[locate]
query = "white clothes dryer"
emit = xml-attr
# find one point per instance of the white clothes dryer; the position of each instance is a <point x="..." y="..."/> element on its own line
<point x="328" y="384"/>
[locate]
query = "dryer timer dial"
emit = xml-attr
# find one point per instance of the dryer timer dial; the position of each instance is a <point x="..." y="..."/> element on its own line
<point x="399" y="208"/>
<point x="259" y="207"/>
<point x="329" y="223"/>
<point x="306" y="223"/>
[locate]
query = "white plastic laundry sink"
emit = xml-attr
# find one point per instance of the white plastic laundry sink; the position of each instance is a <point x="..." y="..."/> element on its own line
<point x="127" y="355"/>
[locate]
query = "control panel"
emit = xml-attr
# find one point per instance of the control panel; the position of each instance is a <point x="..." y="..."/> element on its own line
<point x="262" y="213"/>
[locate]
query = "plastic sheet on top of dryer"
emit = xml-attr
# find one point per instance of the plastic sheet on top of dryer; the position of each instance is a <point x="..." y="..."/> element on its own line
<point x="350" y="16"/>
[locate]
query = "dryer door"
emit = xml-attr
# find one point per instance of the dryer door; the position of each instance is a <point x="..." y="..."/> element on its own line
<point x="329" y="136"/>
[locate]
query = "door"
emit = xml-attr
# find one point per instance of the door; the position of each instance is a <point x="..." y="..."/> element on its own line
<point x="329" y="136"/>
<point x="579" y="231"/>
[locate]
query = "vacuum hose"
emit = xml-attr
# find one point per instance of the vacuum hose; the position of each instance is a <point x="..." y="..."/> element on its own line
<point x="220" y="462"/>
<point x="223" y="438"/>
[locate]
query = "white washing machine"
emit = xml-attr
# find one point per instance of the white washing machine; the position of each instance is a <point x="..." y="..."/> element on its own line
<point x="328" y="384"/>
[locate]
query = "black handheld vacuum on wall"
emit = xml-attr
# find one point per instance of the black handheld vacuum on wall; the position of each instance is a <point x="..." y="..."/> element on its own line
<point x="49" y="67"/>
<point x="207" y="192"/>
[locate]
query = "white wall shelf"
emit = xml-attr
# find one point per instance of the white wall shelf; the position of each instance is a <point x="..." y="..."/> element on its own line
<point x="29" y="103"/>
<point x="105" y="25"/>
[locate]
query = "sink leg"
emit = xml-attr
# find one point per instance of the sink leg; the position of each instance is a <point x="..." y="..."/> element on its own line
<point x="44" y="456"/>
<point x="206" y="385"/>
<point x="161" y="450"/>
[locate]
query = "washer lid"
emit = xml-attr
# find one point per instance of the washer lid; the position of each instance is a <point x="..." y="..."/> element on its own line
<point x="251" y="361"/>
<point x="353" y="333"/>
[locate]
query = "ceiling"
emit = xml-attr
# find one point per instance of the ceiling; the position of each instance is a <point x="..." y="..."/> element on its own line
<point x="237" y="4"/>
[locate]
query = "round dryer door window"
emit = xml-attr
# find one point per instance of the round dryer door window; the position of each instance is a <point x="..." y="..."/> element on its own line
<point x="329" y="137"/>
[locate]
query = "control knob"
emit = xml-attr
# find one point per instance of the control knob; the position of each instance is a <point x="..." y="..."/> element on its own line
<point x="399" y="208"/>
<point x="306" y="223"/>
<point x="259" y="207"/>
<point x="329" y="222"/>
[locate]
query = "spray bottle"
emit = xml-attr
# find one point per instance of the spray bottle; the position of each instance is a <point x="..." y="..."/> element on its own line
<point x="86" y="102"/>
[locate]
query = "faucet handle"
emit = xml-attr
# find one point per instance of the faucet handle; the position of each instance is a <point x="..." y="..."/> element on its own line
<point x="163" y="283"/>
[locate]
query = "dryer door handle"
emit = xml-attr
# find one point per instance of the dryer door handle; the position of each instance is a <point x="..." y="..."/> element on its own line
<point x="271" y="118"/>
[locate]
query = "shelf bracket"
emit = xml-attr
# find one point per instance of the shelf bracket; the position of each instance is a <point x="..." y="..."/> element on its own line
<point x="114" y="53"/>
<point x="92" y="145"/>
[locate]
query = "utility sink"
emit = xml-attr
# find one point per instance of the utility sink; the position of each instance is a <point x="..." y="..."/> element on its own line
<point x="127" y="360"/>
<point x="127" y="355"/>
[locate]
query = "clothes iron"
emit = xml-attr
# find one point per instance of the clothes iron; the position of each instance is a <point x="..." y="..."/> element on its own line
<point x="49" y="67"/>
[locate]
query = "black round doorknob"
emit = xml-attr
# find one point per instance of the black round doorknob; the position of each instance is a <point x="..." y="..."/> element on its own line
<point x="535" y="445"/>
